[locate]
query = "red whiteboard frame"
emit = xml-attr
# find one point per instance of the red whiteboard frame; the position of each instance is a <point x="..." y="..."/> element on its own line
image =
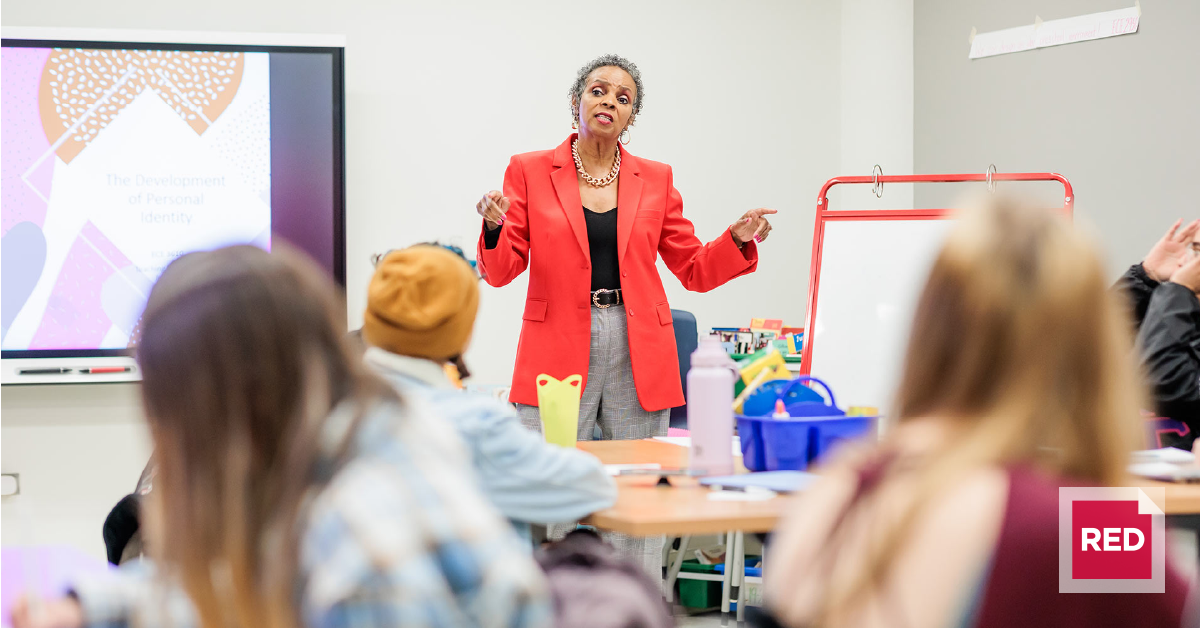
<point x="825" y="214"/>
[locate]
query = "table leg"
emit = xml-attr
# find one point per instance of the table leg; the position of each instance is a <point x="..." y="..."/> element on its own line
<point x="676" y="565"/>
<point x="1187" y="522"/>
<point x="740" y="571"/>
<point x="728" y="579"/>
<point x="762" y="560"/>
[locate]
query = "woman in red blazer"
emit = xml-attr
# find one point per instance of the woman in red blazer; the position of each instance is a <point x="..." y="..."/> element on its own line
<point x="590" y="220"/>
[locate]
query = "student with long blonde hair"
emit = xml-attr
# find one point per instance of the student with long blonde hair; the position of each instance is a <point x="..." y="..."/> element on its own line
<point x="293" y="488"/>
<point x="1018" y="380"/>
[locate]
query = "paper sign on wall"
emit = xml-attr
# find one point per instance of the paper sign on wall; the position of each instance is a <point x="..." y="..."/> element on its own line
<point x="1056" y="32"/>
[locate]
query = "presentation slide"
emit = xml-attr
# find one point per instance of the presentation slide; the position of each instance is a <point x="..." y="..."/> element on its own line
<point x="115" y="162"/>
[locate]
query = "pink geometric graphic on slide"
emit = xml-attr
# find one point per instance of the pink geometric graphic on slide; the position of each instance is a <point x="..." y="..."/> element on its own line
<point x="24" y="138"/>
<point x="76" y="316"/>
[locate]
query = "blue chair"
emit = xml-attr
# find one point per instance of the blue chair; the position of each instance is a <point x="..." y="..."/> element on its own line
<point x="687" y="338"/>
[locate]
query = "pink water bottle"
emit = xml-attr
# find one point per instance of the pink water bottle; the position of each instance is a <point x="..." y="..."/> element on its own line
<point x="710" y="408"/>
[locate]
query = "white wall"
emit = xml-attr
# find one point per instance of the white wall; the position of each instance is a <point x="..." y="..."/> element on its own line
<point x="78" y="449"/>
<point x="745" y="100"/>
<point x="1053" y="109"/>
<point x="877" y="97"/>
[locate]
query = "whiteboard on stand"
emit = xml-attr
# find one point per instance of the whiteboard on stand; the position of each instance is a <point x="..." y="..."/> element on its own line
<point x="868" y="269"/>
<point x="871" y="276"/>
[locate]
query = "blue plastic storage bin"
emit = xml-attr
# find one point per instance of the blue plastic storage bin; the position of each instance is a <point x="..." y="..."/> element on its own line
<point x="830" y="432"/>
<point x="753" y="567"/>
<point x="750" y="434"/>
<point x="771" y="444"/>
<point x="761" y="402"/>
<point x="786" y="443"/>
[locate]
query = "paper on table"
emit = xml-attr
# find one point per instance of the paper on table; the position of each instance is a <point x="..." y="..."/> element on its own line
<point x="741" y="496"/>
<point x="616" y="469"/>
<point x="686" y="441"/>
<point x="1154" y="470"/>
<point x="1166" y="454"/>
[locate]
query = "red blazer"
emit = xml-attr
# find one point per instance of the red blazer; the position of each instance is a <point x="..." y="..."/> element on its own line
<point x="546" y="216"/>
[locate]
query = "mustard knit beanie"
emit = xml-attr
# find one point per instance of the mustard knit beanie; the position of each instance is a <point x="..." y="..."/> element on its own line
<point x="422" y="302"/>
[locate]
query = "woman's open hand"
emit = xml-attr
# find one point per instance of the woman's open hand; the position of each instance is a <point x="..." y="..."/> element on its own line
<point x="752" y="226"/>
<point x="1188" y="275"/>
<point x="1170" y="252"/>
<point x="492" y="207"/>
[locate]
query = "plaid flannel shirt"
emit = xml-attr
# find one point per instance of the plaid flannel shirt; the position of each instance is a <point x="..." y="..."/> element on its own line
<point x="400" y="536"/>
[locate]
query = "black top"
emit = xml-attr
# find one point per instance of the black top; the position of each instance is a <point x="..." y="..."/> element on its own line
<point x="491" y="237"/>
<point x="602" y="242"/>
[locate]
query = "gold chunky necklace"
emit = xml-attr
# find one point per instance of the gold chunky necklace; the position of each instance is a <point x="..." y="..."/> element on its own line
<point x="589" y="179"/>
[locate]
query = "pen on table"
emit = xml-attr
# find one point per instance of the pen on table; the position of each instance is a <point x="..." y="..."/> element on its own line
<point x="742" y="489"/>
<point x="55" y="371"/>
<point x="97" y="370"/>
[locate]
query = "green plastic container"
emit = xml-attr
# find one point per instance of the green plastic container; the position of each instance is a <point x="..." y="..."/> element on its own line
<point x="698" y="593"/>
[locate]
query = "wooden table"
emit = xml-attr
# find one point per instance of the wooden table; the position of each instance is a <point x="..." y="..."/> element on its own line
<point x="643" y="508"/>
<point x="1182" y="499"/>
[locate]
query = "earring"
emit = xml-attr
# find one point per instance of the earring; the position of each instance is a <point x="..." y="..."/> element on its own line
<point x="574" y="124"/>
<point x="624" y="137"/>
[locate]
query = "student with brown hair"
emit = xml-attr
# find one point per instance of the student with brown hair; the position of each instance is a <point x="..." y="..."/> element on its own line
<point x="293" y="488"/>
<point x="1018" y="380"/>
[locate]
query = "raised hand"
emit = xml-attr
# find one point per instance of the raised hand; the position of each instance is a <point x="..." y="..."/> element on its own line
<point x="1170" y="252"/>
<point x="1188" y="275"/>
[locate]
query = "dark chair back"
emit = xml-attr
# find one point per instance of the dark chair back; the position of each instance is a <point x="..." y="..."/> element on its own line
<point x="687" y="338"/>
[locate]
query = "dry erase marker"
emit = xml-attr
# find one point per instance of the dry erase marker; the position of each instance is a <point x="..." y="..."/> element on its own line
<point x="97" y="370"/>
<point x="44" y="371"/>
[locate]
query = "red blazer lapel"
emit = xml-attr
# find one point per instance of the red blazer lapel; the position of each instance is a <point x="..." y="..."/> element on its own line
<point x="566" y="184"/>
<point x="629" y="192"/>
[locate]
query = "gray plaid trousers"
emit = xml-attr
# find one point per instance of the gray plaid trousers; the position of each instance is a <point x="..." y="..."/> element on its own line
<point x="610" y="401"/>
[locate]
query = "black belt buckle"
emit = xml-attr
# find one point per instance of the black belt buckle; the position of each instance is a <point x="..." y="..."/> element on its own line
<point x="605" y="299"/>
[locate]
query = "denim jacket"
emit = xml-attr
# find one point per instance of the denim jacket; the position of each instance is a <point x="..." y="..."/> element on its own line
<point x="529" y="480"/>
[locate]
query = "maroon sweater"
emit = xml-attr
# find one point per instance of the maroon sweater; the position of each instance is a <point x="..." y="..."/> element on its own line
<point x="1022" y="586"/>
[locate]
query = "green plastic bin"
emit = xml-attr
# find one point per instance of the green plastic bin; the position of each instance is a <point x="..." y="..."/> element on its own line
<point x="698" y="593"/>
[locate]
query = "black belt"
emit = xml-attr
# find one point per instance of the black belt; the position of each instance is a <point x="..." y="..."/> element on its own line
<point x="607" y="298"/>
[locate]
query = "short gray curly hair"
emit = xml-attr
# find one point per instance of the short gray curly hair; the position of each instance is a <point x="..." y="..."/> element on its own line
<point x="600" y="62"/>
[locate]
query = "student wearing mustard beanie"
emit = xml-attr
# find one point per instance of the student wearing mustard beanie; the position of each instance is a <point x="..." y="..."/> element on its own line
<point x="425" y="306"/>
<point x="421" y="307"/>
<point x="422" y="303"/>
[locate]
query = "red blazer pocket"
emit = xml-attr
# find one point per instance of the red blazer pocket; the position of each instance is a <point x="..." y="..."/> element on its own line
<point x="664" y="313"/>
<point x="535" y="310"/>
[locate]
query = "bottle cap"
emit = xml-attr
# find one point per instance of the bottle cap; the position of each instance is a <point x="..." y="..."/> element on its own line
<point x="710" y="353"/>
